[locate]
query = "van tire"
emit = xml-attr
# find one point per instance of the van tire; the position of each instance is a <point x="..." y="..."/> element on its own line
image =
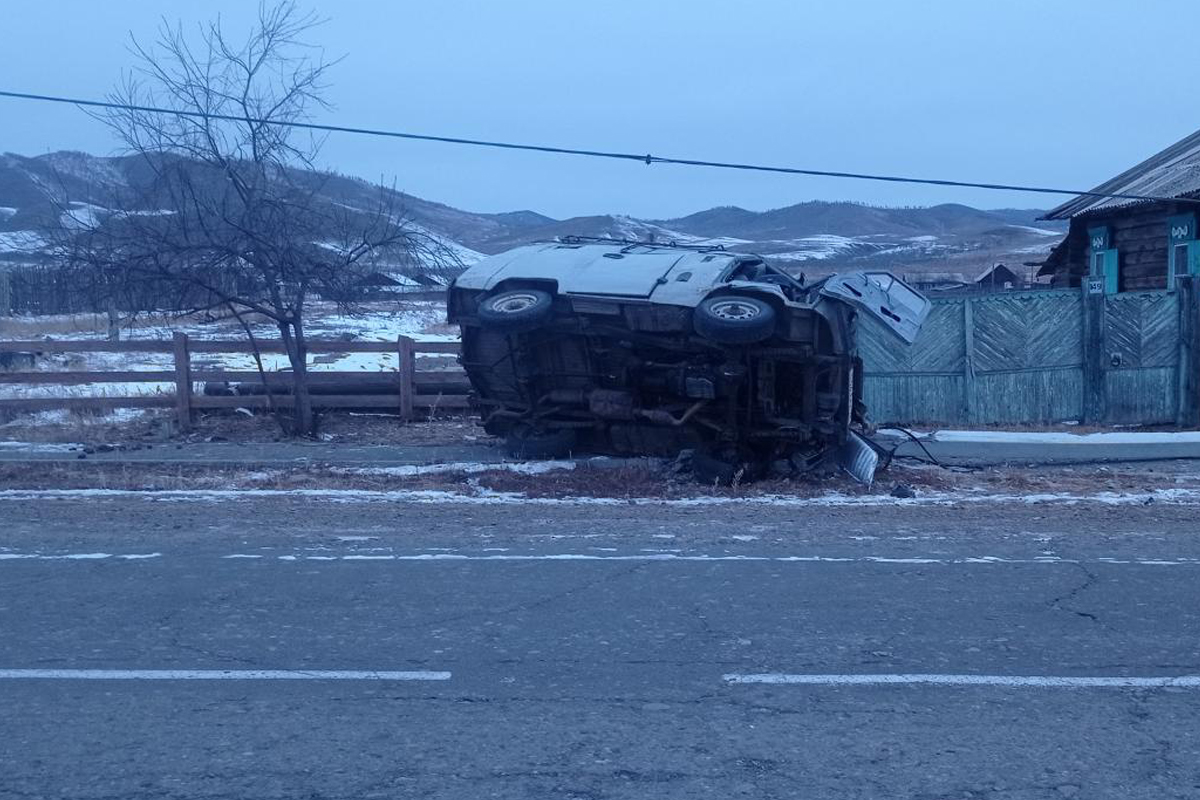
<point x="515" y="310"/>
<point x="734" y="319"/>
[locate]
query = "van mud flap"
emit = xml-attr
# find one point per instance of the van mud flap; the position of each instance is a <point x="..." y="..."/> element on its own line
<point x="859" y="459"/>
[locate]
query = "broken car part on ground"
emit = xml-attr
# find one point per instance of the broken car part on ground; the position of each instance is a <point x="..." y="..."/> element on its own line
<point x="642" y="348"/>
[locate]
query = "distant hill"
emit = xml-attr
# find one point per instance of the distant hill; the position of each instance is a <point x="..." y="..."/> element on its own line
<point x="814" y="236"/>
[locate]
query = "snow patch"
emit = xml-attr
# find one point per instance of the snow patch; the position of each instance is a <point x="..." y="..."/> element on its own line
<point x="465" y="255"/>
<point x="377" y="325"/>
<point x="1174" y="496"/>
<point x="37" y="447"/>
<point x="1038" y="231"/>
<point x="82" y="216"/>
<point x="21" y="242"/>
<point x="1054" y="437"/>
<point x="410" y="470"/>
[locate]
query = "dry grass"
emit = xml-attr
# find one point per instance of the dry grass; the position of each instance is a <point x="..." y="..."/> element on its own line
<point x="440" y="328"/>
<point x="63" y="326"/>
<point x="22" y="328"/>
<point x="89" y="427"/>
<point x="639" y="481"/>
<point x="159" y="425"/>
<point x="159" y="477"/>
<point x="344" y="427"/>
<point x="645" y="480"/>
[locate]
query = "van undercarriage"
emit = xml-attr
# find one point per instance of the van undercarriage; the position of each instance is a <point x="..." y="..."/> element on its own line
<point x="603" y="384"/>
<point x="650" y="349"/>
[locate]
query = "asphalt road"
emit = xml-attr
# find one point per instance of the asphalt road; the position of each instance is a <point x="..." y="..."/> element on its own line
<point x="593" y="652"/>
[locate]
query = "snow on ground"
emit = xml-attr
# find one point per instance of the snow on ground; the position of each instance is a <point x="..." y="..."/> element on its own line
<point x="82" y="216"/>
<point x="829" y="246"/>
<point x="37" y="447"/>
<point x="20" y="241"/>
<point x="454" y="467"/>
<point x="1039" y="231"/>
<point x="379" y="324"/>
<point x="465" y="255"/>
<point x="1052" y="437"/>
<point x="812" y="248"/>
<point x="62" y="416"/>
<point x="1036" y="248"/>
<point x="728" y="242"/>
<point x="1185" y="497"/>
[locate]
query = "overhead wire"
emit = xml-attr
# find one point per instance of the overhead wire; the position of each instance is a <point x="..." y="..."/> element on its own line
<point x="646" y="158"/>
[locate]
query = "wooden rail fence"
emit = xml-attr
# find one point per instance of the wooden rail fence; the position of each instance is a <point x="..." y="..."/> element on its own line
<point x="412" y="385"/>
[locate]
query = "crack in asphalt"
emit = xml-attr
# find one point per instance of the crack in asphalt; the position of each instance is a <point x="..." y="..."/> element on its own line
<point x="1060" y="602"/>
<point x="1162" y="760"/>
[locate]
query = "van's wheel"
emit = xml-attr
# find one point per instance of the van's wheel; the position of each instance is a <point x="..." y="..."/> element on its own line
<point x="515" y="310"/>
<point x="734" y="319"/>
<point x="526" y="442"/>
<point x="724" y="466"/>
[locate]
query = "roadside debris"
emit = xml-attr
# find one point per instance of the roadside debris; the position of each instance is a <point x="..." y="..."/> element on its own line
<point x="608" y="346"/>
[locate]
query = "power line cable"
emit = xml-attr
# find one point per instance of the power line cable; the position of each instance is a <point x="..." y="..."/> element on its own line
<point x="538" y="148"/>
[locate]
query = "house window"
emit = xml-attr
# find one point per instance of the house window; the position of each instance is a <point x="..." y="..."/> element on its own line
<point x="1183" y="249"/>
<point x="1104" y="260"/>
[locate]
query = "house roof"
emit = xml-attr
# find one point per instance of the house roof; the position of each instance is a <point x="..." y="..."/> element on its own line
<point x="927" y="278"/>
<point x="987" y="273"/>
<point x="1174" y="172"/>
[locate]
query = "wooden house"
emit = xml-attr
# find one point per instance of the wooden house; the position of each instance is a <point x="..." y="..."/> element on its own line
<point x="1119" y="244"/>
<point x="996" y="278"/>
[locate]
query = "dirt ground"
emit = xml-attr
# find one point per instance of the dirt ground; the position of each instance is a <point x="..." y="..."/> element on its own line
<point x="663" y="480"/>
<point x="233" y="426"/>
<point x="656" y="480"/>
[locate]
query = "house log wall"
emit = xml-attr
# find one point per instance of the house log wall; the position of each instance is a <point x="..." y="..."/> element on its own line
<point x="1139" y="233"/>
<point x="1141" y="239"/>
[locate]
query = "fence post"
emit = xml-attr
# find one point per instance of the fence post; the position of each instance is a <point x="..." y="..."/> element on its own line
<point x="969" y="360"/>
<point x="1188" y="288"/>
<point x="183" y="381"/>
<point x="407" y="368"/>
<point x="1094" y="394"/>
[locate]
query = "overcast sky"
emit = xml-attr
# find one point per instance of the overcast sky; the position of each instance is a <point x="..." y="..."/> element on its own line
<point x="1064" y="93"/>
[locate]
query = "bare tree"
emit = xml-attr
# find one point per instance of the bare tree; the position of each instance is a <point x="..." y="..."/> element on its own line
<point x="224" y="205"/>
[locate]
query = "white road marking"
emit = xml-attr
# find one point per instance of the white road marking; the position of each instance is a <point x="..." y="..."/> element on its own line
<point x="807" y="559"/>
<point x="76" y="556"/>
<point x="220" y="675"/>
<point x="1013" y="681"/>
<point x="653" y="555"/>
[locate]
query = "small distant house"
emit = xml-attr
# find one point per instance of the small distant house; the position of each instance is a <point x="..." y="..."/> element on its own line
<point x="998" y="278"/>
<point x="936" y="281"/>
<point x="1120" y="245"/>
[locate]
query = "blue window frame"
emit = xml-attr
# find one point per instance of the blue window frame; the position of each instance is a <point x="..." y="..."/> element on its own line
<point x="1183" y="248"/>
<point x="1104" y="262"/>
